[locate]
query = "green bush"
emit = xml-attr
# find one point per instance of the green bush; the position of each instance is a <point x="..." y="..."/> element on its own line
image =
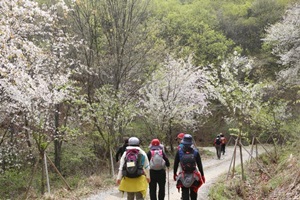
<point x="13" y="183"/>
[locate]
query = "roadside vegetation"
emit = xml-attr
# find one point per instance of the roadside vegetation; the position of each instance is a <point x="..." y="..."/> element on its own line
<point x="77" y="76"/>
<point x="283" y="182"/>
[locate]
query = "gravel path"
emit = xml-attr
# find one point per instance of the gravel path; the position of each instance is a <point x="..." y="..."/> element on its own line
<point x="213" y="168"/>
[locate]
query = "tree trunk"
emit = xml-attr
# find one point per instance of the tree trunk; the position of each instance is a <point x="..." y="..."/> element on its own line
<point x="27" y="134"/>
<point x="112" y="162"/>
<point x="241" y="154"/>
<point x="57" y="141"/>
<point x="43" y="172"/>
<point x="169" y="135"/>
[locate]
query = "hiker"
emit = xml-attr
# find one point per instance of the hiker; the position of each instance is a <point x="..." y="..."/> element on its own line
<point x="161" y="146"/>
<point x="191" y="175"/>
<point x="217" y="144"/>
<point x="179" y="140"/>
<point x="133" y="176"/>
<point x="223" y="143"/>
<point x="122" y="149"/>
<point x="158" y="163"/>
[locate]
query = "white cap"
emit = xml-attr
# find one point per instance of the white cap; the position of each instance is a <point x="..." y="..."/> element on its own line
<point x="133" y="141"/>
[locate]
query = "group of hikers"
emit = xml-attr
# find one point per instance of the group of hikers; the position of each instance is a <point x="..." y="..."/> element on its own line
<point x="139" y="170"/>
<point x="220" y="143"/>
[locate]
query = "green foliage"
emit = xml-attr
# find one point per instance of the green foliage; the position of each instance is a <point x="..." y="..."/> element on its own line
<point x="191" y="28"/>
<point x="245" y="21"/>
<point x="79" y="154"/>
<point x="227" y="190"/>
<point x="13" y="184"/>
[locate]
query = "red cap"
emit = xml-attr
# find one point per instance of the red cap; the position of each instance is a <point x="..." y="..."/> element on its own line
<point x="180" y="135"/>
<point x="155" y="142"/>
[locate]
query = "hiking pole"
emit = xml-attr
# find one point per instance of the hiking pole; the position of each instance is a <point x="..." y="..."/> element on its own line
<point x="168" y="185"/>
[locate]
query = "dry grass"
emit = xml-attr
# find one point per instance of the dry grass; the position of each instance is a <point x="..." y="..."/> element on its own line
<point x="284" y="182"/>
<point x="83" y="188"/>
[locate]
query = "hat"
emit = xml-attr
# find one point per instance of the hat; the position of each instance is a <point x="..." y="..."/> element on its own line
<point x="133" y="141"/>
<point x="187" y="139"/>
<point x="155" y="142"/>
<point x="180" y="136"/>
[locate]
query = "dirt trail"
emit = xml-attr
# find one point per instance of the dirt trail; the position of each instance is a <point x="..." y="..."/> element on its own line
<point x="213" y="168"/>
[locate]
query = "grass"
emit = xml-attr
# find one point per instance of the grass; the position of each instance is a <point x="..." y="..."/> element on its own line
<point x="284" y="182"/>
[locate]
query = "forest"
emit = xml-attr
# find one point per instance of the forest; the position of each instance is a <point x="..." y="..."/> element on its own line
<point x="77" y="76"/>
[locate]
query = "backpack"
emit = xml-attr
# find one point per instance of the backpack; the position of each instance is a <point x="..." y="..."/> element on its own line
<point x="223" y="140"/>
<point x="157" y="162"/>
<point x="187" y="160"/>
<point x="218" y="141"/>
<point x="133" y="167"/>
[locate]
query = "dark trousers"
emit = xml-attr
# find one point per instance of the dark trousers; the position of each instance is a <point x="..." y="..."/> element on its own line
<point x="158" y="177"/>
<point x="223" y="148"/>
<point x="187" y="193"/>
<point x="218" y="151"/>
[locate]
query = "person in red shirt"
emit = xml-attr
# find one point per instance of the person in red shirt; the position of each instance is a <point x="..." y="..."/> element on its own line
<point x="179" y="140"/>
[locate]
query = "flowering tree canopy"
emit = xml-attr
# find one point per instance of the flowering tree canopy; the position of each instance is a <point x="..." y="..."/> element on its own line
<point x="174" y="95"/>
<point x="284" y="37"/>
<point x="234" y="89"/>
<point x="35" y="64"/>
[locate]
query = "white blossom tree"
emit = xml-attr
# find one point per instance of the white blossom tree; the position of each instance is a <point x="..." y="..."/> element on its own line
<point x="34" y="67"/>
<point x="234" y="89"/>
<point x="284" y="38"/>
<point x="174" y="95"/>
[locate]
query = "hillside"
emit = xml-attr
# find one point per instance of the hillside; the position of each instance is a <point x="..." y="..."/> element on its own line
<point x="283" y="183"/>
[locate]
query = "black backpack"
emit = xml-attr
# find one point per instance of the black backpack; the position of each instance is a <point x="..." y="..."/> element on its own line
<point x="187" y="160"/>
<point x="218" y="141"/>
<point x="133" y="167"/>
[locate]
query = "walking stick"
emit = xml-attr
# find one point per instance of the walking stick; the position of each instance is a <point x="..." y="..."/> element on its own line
<point x="168" y="186"/>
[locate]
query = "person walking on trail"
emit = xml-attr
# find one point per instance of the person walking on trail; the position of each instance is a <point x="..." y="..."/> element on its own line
<point x="133" y="176"/>
<point x="191" y="175"/>
<point x="158" y="163"/>
<point x="122" y="149"/>
<point x="161" y="146"/>
<point x="223" y="143"/>
<point x="179" y="140"/>
<point x="217" y="144"/>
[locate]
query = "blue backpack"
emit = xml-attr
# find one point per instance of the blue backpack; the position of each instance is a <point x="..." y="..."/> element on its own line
<point x="187" y="160"/>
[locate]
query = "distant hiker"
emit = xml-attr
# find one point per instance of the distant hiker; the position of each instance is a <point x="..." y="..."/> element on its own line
<point x="134" y="176"/>
<point x="191" y="176"/>
<point x="217" y="144"/>
<point x="223" y="143"/>
<point x="122" y="149"/>
<point x="179" y="140"/>
<point x="158" y="163"/>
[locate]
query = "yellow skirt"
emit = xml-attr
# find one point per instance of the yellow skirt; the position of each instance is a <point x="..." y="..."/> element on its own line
<point x="138" y="184"/>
